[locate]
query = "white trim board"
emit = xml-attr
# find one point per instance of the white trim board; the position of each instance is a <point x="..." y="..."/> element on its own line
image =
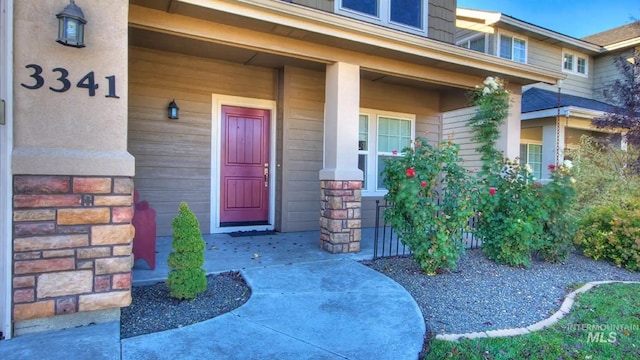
<point x="6" y="144"/>
<point x="217" y="101"/>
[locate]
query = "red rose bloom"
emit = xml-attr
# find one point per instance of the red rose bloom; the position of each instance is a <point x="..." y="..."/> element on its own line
<point x="395" y="152"/>
<point x="411" y="172"/>
<point x="423" y="184"/>
<point x="552" y="167"/>
<point x="492" y="191"/>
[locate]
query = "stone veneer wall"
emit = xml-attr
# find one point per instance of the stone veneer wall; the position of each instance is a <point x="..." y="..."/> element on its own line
<point x="72" y="239"/>
<point x="340" y="215"/>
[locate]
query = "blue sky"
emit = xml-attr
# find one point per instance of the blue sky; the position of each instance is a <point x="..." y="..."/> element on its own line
<point x="570" y="17"/>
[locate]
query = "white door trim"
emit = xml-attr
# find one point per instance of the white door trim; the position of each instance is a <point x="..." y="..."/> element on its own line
<point x="6" y="143"/>
<point x="217" y="102"/>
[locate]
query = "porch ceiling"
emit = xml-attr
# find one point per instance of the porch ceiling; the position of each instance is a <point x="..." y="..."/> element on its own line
<point x="193" y="47"/>
<point x="274" y="33"/>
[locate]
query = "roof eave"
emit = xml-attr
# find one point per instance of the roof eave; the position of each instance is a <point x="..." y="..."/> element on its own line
<point x="287" y="14"/>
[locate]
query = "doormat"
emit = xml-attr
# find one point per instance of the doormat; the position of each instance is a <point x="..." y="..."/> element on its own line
<point x="251" y="233"/>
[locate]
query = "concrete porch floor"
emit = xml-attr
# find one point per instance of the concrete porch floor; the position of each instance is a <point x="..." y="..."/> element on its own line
<point x="305" y="304"/>
<point x="226" y="253"/>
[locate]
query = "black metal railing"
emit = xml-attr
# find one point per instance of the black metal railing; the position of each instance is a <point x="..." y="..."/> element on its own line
<point x="387" y="243"/>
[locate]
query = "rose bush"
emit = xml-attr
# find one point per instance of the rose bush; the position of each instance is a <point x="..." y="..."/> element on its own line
<point x="510" y="215"/>
<point x="516" y="216"/>
<point x="431" y="200"/>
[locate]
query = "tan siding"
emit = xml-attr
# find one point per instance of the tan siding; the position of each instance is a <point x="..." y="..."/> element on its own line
<point x="369" y="211"/>
<point x="173" y="157"/>
<point x="454" y="127"/>
<point x="550" y="57"/>
<point x="544" y="55"/>
<point x="442" y="20"/>
<point x="325" y="5"/>
<point x="605" y="73"/>
<point x="577" y="85"/>
<point x="302" y="139"/>
<point x="424" y="104"/>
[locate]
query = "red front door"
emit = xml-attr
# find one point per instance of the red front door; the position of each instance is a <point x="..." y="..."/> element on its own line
<point x="244" y="193"/>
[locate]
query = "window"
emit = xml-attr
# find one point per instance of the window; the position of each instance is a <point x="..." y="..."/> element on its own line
<point x="380" y="135"/>
<point x="568" y="62"/>
<point x="406" y="15"/>
<point x="532" y="154"/>
<point x="476" y="43"/>
<point x="512" y="48"/>
<point x="574" y="63"/>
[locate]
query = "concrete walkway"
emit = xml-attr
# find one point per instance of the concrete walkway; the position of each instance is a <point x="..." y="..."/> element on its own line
<point x="305" y="304"/>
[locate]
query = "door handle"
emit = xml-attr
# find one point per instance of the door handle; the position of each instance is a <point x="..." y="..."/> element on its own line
<point x="266" y="174"/>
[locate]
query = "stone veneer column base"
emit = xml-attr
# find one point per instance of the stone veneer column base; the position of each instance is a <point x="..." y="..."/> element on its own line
<point x="71" y="244"/>
<point x="340" y="215"/>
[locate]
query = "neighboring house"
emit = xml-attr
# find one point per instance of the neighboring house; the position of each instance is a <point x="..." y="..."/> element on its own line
<point x="286" y="111"/>
<point x="554" y="117"/>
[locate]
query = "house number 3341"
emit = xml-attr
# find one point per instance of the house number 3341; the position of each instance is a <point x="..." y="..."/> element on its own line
<point x="63" y="83"/>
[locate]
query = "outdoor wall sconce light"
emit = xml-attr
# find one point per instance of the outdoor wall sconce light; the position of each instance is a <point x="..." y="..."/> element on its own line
<point x="71" y="26"/>
<point x="173" y="110"/>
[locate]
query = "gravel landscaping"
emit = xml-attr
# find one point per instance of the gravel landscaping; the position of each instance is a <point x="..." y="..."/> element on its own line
<point x="153" y="310"/>
<point x="482" y="295"/>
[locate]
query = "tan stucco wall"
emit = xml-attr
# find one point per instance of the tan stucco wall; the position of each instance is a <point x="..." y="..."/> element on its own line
<point x="71" y="132"/>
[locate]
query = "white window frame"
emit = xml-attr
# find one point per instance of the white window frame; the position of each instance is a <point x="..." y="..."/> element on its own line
<point x="513" y="36"/>
<point x="466" y="42"/>
<point x="384" y="18"/>
<point x="537" y="143"/>
<point x="371" y="175"/>
<point x="574" y="67"/>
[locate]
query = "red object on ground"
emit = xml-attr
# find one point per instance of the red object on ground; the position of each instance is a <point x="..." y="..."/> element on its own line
<point x="144" y="241"/>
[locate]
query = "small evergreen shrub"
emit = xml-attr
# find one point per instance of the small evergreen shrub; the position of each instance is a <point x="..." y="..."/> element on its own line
<point x="186" y="279"/>
<point x="612" y="232"/>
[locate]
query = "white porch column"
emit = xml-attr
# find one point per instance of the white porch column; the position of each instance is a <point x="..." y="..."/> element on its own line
<point x="342" y="111"/>
<point x="509" y="142"/>
<point x="340" y="178"/>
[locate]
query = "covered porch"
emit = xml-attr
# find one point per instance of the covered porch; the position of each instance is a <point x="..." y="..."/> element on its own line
<point x="328" y="83"/>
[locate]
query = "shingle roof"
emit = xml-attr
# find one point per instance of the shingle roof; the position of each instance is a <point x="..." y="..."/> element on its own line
<point x="535" y="99"/>
<point x="615" y="35"/>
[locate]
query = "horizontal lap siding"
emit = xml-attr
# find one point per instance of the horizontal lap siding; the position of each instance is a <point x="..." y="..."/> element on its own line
<point x="302" y="147"/>
<point x="605" y="73"/>
<point x="387" y="97"/>
<point x="578" y="85"/>
<point x="550" y="57"/>
<point x="173" y="157"/>
<point x="454" y="124"/>
<point x="544" y="55"/>
<point x="325" y="5"/>
<point x="302" y="139"/>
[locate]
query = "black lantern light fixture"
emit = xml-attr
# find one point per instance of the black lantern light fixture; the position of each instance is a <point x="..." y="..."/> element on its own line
<point x="173" y="110"/>
<point x="71" y="26"/>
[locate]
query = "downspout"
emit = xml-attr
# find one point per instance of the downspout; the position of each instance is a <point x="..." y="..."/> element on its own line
<point x="559" y="84"/>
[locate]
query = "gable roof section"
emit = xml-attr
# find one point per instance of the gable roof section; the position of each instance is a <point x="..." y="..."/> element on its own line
<point x="616" y="35"/>
<point x="484" y="21"/>
<point x="535" y="99"/>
